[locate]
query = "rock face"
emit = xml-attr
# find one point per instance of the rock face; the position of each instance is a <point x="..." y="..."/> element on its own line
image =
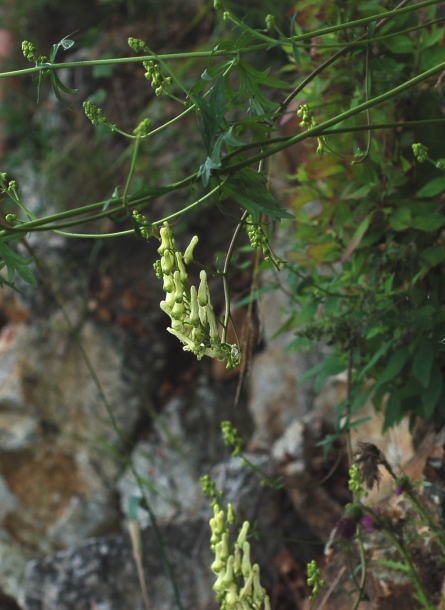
<point x="102" y="574"/>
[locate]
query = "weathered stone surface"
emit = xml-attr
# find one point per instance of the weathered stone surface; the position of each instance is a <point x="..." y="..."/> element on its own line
<point x="102" y="573"/>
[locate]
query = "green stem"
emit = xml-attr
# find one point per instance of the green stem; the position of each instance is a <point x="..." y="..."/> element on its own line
<point x="321" y="128"/>
<point x="423" y="512"/>
<point x="422" y="597"/>
<point x="218" y="53"/>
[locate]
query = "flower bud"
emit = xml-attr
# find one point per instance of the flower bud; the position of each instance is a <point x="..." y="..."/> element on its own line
<point x="180" y="264"/>
<point x="194" y="307"/>
<point x="203" y="289"/>
<point x="188" y="254"/>
<point x="179" y="288"/>
<point x="167" y="262"/>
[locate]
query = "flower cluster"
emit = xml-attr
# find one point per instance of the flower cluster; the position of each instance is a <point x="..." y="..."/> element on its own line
<point x="238" y="584"/>
<point x="153" y="73"/>
<point x="190" y="309"/>
<point x="420" y="152"/>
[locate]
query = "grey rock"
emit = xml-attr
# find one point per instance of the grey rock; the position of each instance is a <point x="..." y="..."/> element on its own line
<point x="102" y="573"/>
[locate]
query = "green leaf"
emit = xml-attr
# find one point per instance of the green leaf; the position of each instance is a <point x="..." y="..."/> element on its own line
<point x="333" y="365"/>
<point x="432" y="188"/>
<point x="423" y="361"/>
<point x="395" y="364"/>
<point x="15" y="263"/>
<point x="324" y="253"/>
<point x="431" y="394"/>
<point x="375" y="358"/>
<point x="356" y="238"/>
<point x="393" y="411"/>
<point x="434" y="255"/>
<point x="400" y="219"/>
<point x="248" y="188"/>
<point x="429" y="223"/>
<point x="399" y="44"/>
<point x="211" y="113"/>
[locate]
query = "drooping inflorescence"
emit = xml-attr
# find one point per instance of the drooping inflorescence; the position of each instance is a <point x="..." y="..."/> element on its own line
<point x="193" y="320"/>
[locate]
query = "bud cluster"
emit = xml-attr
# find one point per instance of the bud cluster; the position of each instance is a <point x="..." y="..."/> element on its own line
<point x="95" y="114"/>
<point x="143" y="226"/>
<point x="238" y="584"/>
<point x="420" y="152"/>
<point x="137" y="45"/>
<point x="257" y="236"/>
<point x="270" y="22"/>
<point x="190" y="309"/>
<point x="158" y="81"/>
<point x="307" y="120"/>
<point x="29" y="50"/>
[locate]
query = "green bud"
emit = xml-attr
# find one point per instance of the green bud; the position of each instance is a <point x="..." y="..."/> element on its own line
<point x="177" y="311"/>
<point x="169" y="284"/>
<point x="203" y="298"/>
<point x="213" y="326"/>
<point x="136" y="44"/>
<point x="228" y="576"/>
<point x="188" y="254"/>
<point x="29" y="50"/>
<point x="246" y="566"/>
<point x="167" y="262"/>
<point x="217" y="4"/>
<point x="3" y="177"/>
<point x="180" y="264"/>
<point x="231" y="517"/>
<point x="231" y="595"/>
<point x="242" y="536"/>
<point x="270" y="22"/>
<point x="167" y="241"/>
<point x="179" y="288"/>
<point x="11" y="217"/>
<point x="143" y="128"/>
<point x="194" y="307"/>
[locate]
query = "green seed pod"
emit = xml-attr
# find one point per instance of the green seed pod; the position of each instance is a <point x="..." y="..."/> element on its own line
<point x="180" y="264"/>
<point x="203" y="298"/>
<point x="194" y="307"/>
<point x="188" y="254"/>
